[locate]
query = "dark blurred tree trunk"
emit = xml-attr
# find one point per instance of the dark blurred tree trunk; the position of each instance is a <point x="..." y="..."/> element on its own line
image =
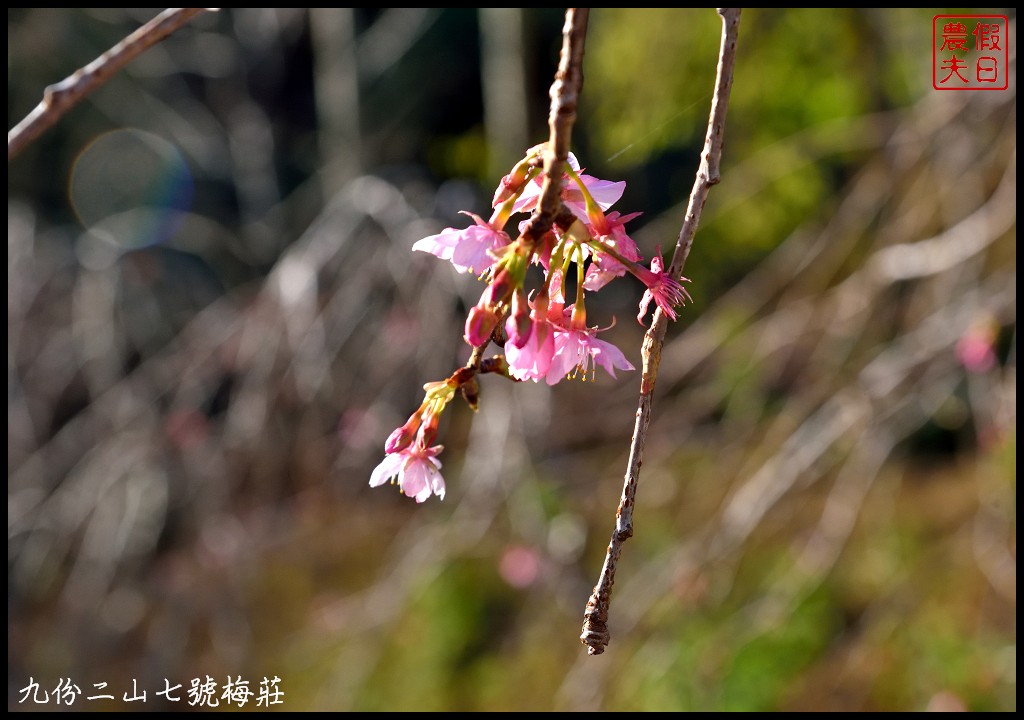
<point x="504" y="84"/>
<point x="337" y="95"/>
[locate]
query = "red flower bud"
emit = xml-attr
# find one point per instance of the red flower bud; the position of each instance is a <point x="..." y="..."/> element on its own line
<point x="519" y="328"/>
<point x="402" y="437"/>
<point x="480" y="324"/>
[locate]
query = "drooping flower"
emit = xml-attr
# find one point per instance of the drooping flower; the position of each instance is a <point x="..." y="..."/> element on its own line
<point x="580" y="351"/>
<point x="416" y="470"/>
<point x="666" y="292"/>
<point x="605" y="192"/>
<point x="470" y="249"/>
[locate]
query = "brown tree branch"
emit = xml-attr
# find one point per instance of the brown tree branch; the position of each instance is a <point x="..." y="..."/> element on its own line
<point x="595" y="618"/>
<point x="61" y="97"/>
<point x="565" y="91"/>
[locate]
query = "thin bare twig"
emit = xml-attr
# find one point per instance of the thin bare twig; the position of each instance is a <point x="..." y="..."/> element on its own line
<point x="61" y="97"/>
<point x="595" y="633"/>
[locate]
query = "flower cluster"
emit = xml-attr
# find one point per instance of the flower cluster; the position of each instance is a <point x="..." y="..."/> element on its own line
<point x="543" y="337"/>
<point x="409" y="458"/>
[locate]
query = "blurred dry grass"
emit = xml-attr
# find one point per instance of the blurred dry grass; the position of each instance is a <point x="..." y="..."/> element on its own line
<point x="827" y="514"/>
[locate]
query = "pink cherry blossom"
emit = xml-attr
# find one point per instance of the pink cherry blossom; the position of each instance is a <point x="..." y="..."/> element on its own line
<point x="581" y="351"/>
<point x="605" y="192"/>
<point x="470" y="249"/>
<point x="666" y="292"/>
<point x="416" y="469"/>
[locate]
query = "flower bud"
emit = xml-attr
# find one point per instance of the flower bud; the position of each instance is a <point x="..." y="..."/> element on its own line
<point x="514" y="181"/>
<point x="480" y="324"/>
<point x="402" y="437"/>
<point x="519" y="324"/>
<point x="508" y="187"/>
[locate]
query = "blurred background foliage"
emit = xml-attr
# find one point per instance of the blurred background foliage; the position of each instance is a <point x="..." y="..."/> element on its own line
<point x="214" y="321"/>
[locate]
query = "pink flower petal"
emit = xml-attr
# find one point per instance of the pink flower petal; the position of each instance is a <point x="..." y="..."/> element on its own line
<point x="605" y="192"/>
<point x="531" y="362"/>
<point x="469" y="249"/>
<point x="609" y="357"/>
<point x="568" y="354"/>
<point x="388" y="468"/>
<point x="441" y="245"/>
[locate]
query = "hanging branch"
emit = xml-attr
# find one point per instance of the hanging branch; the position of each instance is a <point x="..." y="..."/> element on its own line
<point x="565" y="92"/>
<point x="410" y="455"/>
<point x="595" y="619"/>
<point x="61" y="97"/>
